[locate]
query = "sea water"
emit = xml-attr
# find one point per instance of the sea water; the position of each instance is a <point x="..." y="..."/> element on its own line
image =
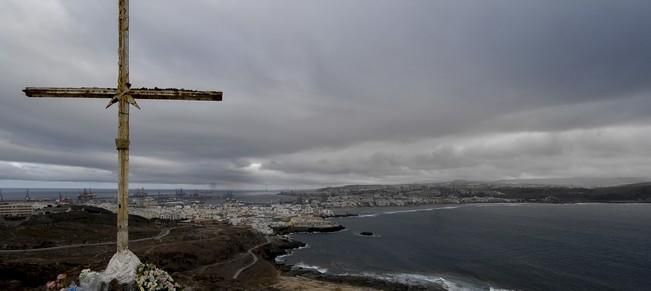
<point x="493" y="246"/>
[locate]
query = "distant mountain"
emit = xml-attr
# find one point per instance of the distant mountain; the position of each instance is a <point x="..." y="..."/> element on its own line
<point x="539" y="190"/>
<point x="577" y="182"/>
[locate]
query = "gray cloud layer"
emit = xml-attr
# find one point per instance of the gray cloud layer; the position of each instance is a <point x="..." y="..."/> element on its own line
<point x="333" y="92"/>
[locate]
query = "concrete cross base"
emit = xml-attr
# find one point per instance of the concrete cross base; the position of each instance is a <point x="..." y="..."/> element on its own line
<point x="122" y="267"/>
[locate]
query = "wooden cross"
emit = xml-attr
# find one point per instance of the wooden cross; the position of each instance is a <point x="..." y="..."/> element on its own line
<point x="123" y="95"/>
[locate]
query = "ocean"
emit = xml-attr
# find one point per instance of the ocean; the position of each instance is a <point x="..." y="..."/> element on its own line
<point x="491" y="247"/>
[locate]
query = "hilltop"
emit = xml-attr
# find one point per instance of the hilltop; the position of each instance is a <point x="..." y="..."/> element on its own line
<point x="84" y="238"/>
<point x="468" y="192"/>
<point x="202" y="256"/>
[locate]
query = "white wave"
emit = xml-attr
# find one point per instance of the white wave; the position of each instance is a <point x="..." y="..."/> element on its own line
<point x="412" y="279"/>
<point x="407" y="279"/>
<point x="429" y="280"/>
<point x="368" y="215"/>
<point x="301" y="265"/>
<point x="407" y="211"/>
<point x="499" y="204"/>
<point x="281" y="258"/>
<point x="448" y="207"/>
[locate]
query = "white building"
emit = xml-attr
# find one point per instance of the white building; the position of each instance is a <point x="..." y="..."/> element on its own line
<point x="16" y="209"/>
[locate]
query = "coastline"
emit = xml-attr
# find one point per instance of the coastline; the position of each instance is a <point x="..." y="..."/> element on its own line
<point x="392" y="281"/>
<point x="281" y="246"/>
<point x="308" y="229"/>
<point x="406" y="281"/>
<point x="361" y="280"/>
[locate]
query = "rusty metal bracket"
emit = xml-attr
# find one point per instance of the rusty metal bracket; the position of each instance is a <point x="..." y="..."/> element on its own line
<point x="121" y="144"/>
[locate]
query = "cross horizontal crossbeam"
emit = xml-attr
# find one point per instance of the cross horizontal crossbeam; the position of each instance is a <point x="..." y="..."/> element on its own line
<point x="139" y="93"/>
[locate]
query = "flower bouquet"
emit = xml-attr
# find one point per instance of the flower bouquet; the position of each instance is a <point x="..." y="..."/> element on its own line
<point x="151" y="278"/>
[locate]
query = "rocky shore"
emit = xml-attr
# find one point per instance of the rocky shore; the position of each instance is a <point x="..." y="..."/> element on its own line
<point x="284" y="246"/>
<point x="297" y="229"/>
<point x="361" y="281"/>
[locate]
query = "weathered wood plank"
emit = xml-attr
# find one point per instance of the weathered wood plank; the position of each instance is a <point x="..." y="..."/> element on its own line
<point x="70" y="92"/>
<point x="176" y="94"/>
<point x="122" y="141"/>
<point x="140" y="93"/>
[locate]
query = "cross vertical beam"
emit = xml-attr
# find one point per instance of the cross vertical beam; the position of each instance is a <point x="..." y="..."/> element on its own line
<point x="122" y="140"/>
<point x="123" y="264"/>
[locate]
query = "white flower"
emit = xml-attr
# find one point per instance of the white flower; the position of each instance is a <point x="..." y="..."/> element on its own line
<point x="151" y="278"/>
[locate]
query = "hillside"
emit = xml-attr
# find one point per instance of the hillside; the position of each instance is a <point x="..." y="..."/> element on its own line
<point x="468" y="192"/>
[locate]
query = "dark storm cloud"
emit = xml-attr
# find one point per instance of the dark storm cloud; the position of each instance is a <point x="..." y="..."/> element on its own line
<point x="332" y="92"/>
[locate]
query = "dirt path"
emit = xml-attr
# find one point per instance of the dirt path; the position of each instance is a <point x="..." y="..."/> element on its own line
<point x="255" y="258"/>
<point x="165" y="232"/>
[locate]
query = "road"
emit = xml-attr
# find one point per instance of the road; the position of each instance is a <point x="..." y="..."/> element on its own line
<point x="164" y="232"/>
<point x="255" y="258"/>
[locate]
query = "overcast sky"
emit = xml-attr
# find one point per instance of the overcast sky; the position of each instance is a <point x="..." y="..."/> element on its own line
<point x="331" y="92"/>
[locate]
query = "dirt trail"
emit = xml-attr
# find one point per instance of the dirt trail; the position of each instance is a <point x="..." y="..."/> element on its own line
<point x="255" y="258"/>
<point x="165" y="232"/>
